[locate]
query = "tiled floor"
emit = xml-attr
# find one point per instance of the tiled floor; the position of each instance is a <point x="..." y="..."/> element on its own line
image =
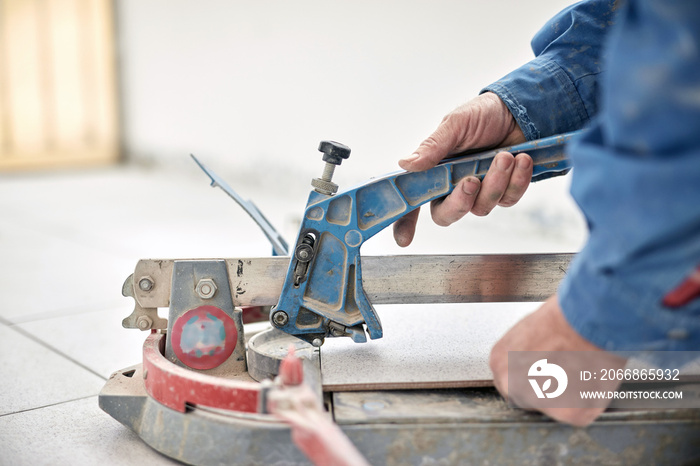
<point x="69" y="239"/>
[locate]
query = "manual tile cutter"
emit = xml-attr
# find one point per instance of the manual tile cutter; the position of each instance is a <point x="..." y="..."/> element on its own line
<point x="201" y="393"/>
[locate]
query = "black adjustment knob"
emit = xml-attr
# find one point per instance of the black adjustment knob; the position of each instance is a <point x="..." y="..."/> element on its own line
<point x="334" y="152"/>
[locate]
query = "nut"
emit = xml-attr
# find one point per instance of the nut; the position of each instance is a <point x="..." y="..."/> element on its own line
<point x="280" y="318"/>
<point x="206" y="288"/>
<point x="146" y="283"/>
<point x="144" y="323"/>
<point x="324" y="187"/>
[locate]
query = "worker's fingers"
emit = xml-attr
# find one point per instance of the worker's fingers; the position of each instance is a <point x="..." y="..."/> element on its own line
<point x="485" y="121"/>
<point x="438" y="145"/>
<point x="405" y="228"/>
<point x="495" y="184"/>
<point x="448" y="210"/>
<point x="504" y="184"/>
<point x="519" y="181"/>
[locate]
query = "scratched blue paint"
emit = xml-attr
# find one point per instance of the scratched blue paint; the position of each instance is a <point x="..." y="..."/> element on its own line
<point x="376" y="202"/>
<point x="329" y="264"/>
<point x="418" y="187"/>
<point x="339" y="210"/>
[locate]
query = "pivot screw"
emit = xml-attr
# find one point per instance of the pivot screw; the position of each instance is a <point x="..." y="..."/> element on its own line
<point x="206" y="288"/>
<point x="305" y="251"/>
<point x="280" y="318"/>
<point x="333" y="154"/>
<point x="146" y="283"/>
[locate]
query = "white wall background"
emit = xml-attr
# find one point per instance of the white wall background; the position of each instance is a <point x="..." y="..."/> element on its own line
<point x="261" y="82"/>
<point x="251" y="87"/>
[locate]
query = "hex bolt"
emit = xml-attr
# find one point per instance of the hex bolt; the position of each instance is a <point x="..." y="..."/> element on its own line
<point x="206" y="288"/>
<point x="146" y="283"/>
<point x="144" y="323"/>
<point x="280" y="318"/>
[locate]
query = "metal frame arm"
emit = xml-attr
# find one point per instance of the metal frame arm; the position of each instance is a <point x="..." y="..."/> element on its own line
<point x="279" y="245"/>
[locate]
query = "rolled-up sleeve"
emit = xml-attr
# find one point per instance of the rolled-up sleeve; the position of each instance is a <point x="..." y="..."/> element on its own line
<point x="557" y="91"/>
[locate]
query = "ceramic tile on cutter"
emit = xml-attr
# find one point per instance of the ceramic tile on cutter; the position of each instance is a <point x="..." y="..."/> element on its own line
<point x="424" y="346"/>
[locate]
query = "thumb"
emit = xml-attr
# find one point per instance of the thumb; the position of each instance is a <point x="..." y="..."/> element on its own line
<point x="435" y="148"/>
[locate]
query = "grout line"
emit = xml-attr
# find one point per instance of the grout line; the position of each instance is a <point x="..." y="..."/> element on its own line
<point x="36" y="339"/>
<point x="49" y="405"/>
<point x="72" y="311"/>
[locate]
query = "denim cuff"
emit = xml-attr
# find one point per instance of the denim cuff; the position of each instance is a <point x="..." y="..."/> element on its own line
<point x="542" y="98"/>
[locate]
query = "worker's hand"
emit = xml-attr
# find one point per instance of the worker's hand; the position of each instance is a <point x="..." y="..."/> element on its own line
<point x="546" y="329"/>
<point x="484" y="122"/>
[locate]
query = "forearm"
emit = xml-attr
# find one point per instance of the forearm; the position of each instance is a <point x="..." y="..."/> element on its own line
<point x="557" y="91"/>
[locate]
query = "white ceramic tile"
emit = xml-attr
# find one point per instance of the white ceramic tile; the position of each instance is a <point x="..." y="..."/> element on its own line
<point x="95" y="339"/>
<point x="422" y="344"/>
<point x="34" y="376"/>
<point x="76" y="433"/>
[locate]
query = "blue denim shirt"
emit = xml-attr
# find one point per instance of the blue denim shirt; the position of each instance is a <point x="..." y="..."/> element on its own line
<point x="632" y="78"/>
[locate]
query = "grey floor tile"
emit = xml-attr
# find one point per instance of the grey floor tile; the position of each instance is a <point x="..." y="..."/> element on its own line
<point x="42" y="274"/>
<point x="76" y="433"/>
<point x="34" y="376"/>
<point x="138" y="213"/>
<point x="96" y="339"/>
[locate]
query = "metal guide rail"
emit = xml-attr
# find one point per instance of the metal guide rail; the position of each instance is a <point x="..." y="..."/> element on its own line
<point x="414" y="279"/>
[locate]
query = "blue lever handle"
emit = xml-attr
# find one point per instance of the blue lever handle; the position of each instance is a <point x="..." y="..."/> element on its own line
<point x="322" y="294"/>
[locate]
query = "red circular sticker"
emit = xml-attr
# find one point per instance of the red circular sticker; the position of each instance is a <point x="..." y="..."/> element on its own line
<point x="204" y="337"/>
